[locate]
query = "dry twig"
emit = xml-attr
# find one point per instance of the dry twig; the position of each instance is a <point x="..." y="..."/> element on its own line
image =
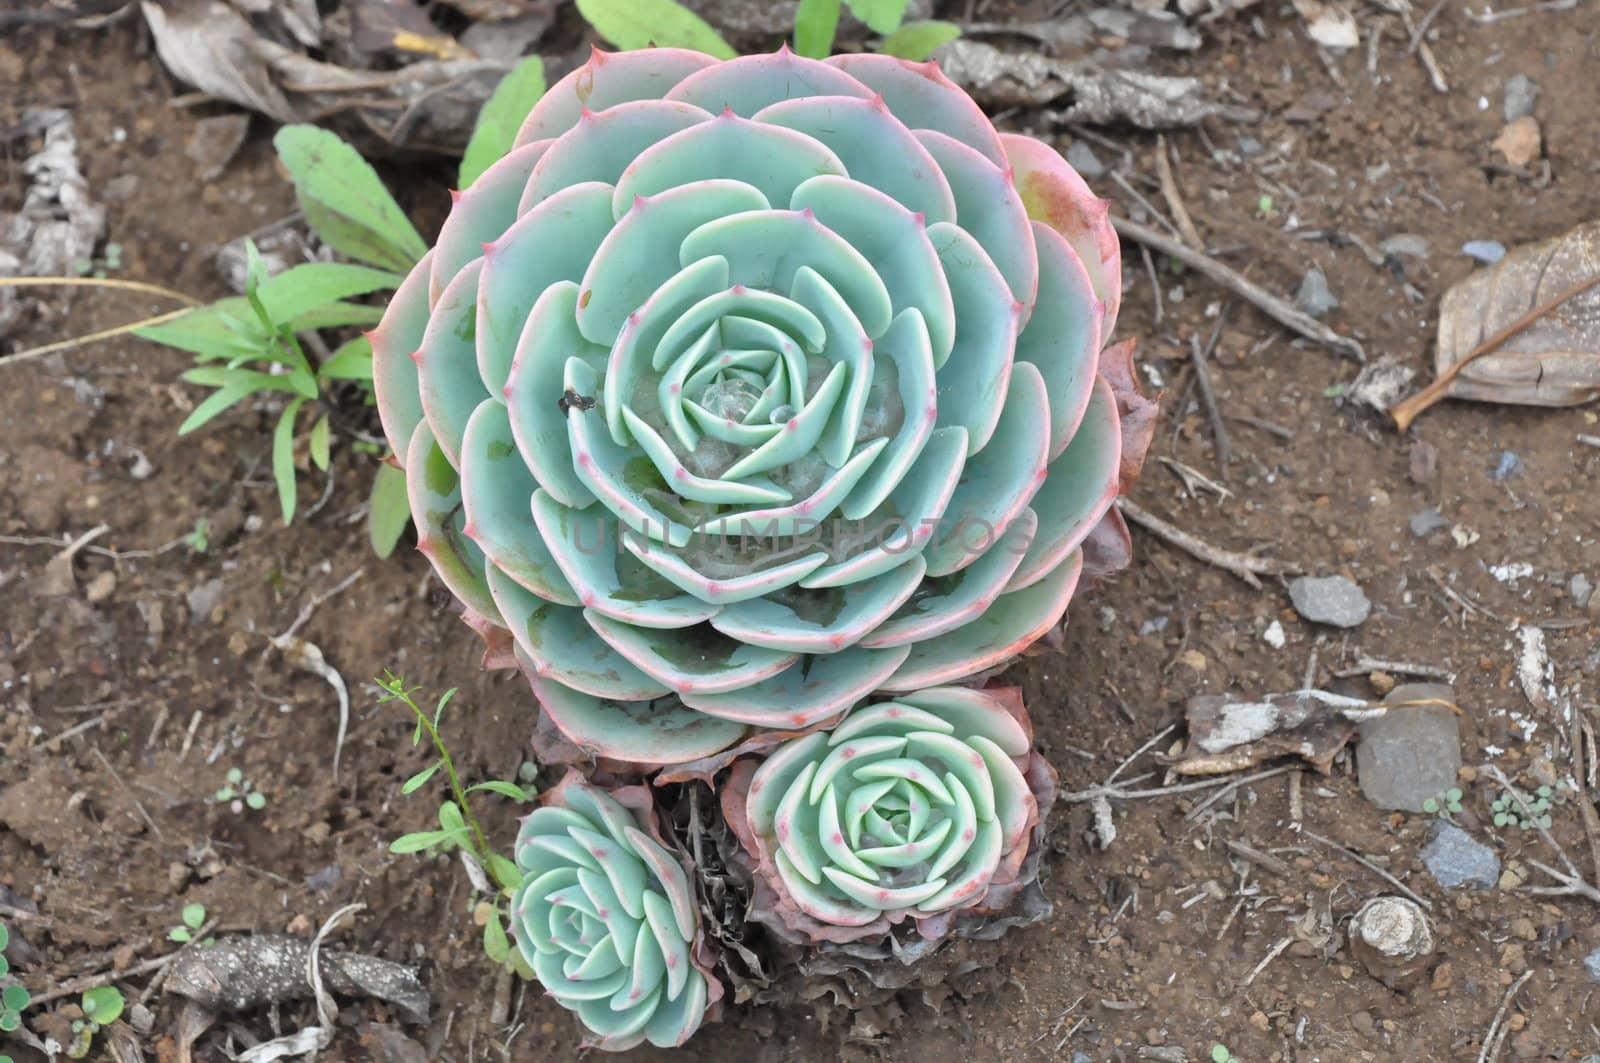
<point x="1231" y="279"/>
<point x="1491" y="1045"/>
<point x="1244" y="566"/>
<point x="1370" y="866"/>
<point x="1169" y="192"/>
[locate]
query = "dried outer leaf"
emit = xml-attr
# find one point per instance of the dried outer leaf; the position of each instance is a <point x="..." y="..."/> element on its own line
<point x="241" y="973"/>
<point x="298" y="17"/>
<point x="213" y="48"/>
<point x="380" y="26"/>
<point x="1092" y="92"/>
<point x="1555" y="361"/>
<point x="1227" y="734"/>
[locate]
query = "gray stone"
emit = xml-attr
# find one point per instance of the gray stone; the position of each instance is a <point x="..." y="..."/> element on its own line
<point x="1085" y="161"/>
<point x="1082" y="1057"/>
<point x="1521" y="92"/>
<point x="1410" y="754"/>
<point x="1408" y="244"/>
<point x="1592" y="962"/>
<point x="1581" y="590"/>
<point x="1330" y="600"/>
<point x="1427" y="522"/>
<point x="1455" y="858"/>
<point x="1315" y="297"/>
<point x="1485" y="251"/>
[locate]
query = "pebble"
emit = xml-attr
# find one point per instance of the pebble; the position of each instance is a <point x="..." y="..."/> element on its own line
<point x="1408" y="756"/>
<point x="1427" y="522"/>
<point x="1250" y="147"/>
<point x="1455" y="858"/>
<point x="1409" y="244"/>
<point x="1315" y="297"/>
<point x="1331" y="600"/>
<point x="1274" y="636"/>
<point x="1521" y="92"/>
<point x="1581" y="589"/>
<point x="1083" y="159"/>
<point x="101" y="587"/>
<point x="1486" y="251"/>
<point x="1506" y="466"/>
<point x="203" y="600"/>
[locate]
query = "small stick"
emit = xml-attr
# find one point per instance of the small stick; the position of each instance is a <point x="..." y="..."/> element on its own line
<point x="1365" y="664"/>
<point x="1586" y="811"/>
<point x="1244" y="566"/>
<point x="1285" y="434"/>
<point x="1169" y="192"/>
<point x="94" y="337"/>
<point x="1155" y="283"/>
<point x="1422" y="27"/>
<point x="1589" y="441"/>
<point x="1081" y="796"/>
<point x="310" y="607"/>
<point x="74" y="731"/>
<point x="1137" y="753"/>
<point x="98" y="282"/>
<point x="1370" y="866"/>
<point x="1273" y="953"/>
<point x="94" y="981"/>
<point x="1406" y="410"/>
<point x="1208" y="397"/>
<point x="1122" y="183"/>
<point x="1484" y="1054"/>
<point x="1265" y="861"/>
<point x="136" y="802"/>
<point x="160" y="979"/>
<point x="1572" y="881"/>
<point x="1269" y="304"/>
<point x="1297" y="808"/>
<point x="1227" y="791"/>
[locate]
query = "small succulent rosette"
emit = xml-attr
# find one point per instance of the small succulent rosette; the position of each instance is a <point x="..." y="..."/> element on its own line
<point x="739" y="390"/>
<point x="927" y="807"/>
<point x="606" y="918"/>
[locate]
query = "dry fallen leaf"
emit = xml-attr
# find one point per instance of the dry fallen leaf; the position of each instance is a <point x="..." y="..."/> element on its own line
<point x="1519" y="141"/>
<point x="1555" y="360"/>
<point x="1328" y="24"/>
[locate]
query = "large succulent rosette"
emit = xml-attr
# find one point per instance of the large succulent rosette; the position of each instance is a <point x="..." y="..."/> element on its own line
<point x="923" y="807"/>
<point x="606" y="918"/>
<point x="739" y="390"/>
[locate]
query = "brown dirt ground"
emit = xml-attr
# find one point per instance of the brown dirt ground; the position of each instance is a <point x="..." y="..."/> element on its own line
<point x="1130" y="959"/>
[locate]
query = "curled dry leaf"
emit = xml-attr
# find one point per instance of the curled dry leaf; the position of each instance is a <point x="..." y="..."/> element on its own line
<point x="1555" y="359"/>
<point x="1228" y="735"/>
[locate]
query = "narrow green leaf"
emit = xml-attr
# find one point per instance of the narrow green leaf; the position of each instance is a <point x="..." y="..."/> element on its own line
<point x="388" y="513"/>
<point x="215" y="331"/>
<point x="320" y="443"/>
<point x="450" y="817"/>
<point x="336" y="315"/>
<point x="917" y="41"/>
<point x="103" y="1004"/>
<point x="352" y="361"/>
<point x="255" y="269"/>
<point x="881" y="16"/>
<point x="304" y="288"/>
<point x="503" y="788"/>
<point x="815" y="22"/>
<point x="224" y="397"/>
<point x="501" y="117"/>
<point x="503" y="871"/>
<point x="345" y="202"/>
<point x="416" y="843"/>
<point x="420" y="779"/>
<point x="495" y="945"/>
<point x="644" y="23"/>
<point x="283" y="458"/>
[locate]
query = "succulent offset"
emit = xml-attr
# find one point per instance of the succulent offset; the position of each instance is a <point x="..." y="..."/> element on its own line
<point x="606" y="919"/>
<point x="739" y="390"/>
<point x="906" y="808"/>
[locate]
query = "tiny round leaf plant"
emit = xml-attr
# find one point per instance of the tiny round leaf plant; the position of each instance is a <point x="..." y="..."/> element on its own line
<point x="923" y="807"/>
<point x="606" y="918"/>
<point x="738" y="390"/>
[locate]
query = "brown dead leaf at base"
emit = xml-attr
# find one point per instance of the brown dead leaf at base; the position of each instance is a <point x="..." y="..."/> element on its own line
<point x="1227" y="734"/>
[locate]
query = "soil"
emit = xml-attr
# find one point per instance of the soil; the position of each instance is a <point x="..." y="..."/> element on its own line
<point x="1156" y="942"/>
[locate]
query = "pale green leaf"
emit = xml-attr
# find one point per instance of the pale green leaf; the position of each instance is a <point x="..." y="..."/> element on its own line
<point x="881" y="16"/>
<point x="503" y="788"/>
<point x="103" y="1004"/>
<point x="643" y="23"/>
<point x="345" y="202"/>
<point x="283" y="458"/>
<point x="917" y="41"/>
<point x="336" y="315"/>
<point x="194" y="916"/>
<point x="495" y="945"/>
<point x="389" y="510"/>
<point x="320" y="443"/>
<point x="815" y="23"/>
<point x="420" y="779"/>
<point x="501" y="117"/>
<point x="304" y="288"/>
<point x="503" y="871"/>
<point x="416" y="843"/>
<point x="352" y="361"/>
<point x="215" y="331"/>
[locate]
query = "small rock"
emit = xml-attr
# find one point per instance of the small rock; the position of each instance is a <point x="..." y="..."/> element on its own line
<point x="1455" y="858"/>
<point x="1444" y="977"/>
<point x="1408" y="244"/>
<point x="203" y="600"/>
<point x="1410" y="755"/>
<point x="1486" y="251"/>
<point x="1581" y="589"/>
<point x="1427" y="522"/>
<point x="1362" y="1021"/>
<point x="141" y="469"/>
<point x="326" y="879"/>
<point x="1330" y="600"/>
<point x="1591" y="963"/>
<point x="1250" y="147"/>
<point x="122" y="958"/>
<point x="1082" y="1057"/>
<point x="1274" y="636"/>
<point x="1507" y="465"/>
<point x="1085" y="161"/>
<point x="1521" y="92"/>
<point x="215" y="141"/>
<point x="1314" y="296"/>
<point x="1154" y="626"/>
<point x="1382" y="682"/>
<point x="1514" y="957"/>
<point x="101" y="587"/>
<point x="1522" y="927"/>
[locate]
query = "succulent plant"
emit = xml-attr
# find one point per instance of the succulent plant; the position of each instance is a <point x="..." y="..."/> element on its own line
<point x="606" y="919"/>
<point x="918" y="807"/>
<point x="738" y="390"/>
